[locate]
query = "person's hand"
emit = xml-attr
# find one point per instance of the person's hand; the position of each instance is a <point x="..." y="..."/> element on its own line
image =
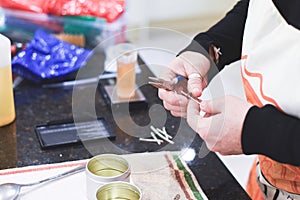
<point x="221" y="128"/>
<point x="189" y="64"/>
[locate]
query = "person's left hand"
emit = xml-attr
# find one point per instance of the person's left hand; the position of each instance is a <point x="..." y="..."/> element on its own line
<point x="221" y="127"/>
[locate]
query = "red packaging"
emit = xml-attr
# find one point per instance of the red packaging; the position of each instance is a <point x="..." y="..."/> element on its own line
<point x="107" y="9"/>
<point x="37" y="6"/>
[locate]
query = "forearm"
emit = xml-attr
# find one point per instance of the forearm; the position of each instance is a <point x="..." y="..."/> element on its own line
<point x="270" y="132"/>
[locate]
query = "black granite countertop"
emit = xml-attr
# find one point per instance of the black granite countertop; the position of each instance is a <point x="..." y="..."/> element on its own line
<point x="36" y="105"/>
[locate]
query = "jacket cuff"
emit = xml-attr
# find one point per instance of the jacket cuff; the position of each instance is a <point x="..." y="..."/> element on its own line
<point x="270" y="132"/>
<point x="253" y="132"/>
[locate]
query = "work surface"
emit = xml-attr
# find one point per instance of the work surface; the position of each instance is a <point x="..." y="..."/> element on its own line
<point x="35" y="105"/>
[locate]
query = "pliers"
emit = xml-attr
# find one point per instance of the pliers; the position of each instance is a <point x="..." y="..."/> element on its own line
<point x="178" y="85"/>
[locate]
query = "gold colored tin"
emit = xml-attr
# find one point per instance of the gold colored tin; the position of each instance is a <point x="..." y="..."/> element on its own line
<point x="117" y="191"/>
<point x="108" y="166"/>
<point x="105" y="168"/>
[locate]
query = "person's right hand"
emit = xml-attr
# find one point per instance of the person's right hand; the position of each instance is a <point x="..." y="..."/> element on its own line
<point x="192" y="65"/>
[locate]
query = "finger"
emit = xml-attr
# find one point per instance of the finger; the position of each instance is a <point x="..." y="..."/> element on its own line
<point x="178" y="114"/>
<point x="164" y="94"/>
<point x="175" y="67"/>
<point x="195" y="86"/>
<point x="196" y="122"/>
<point x="181" y="108"/>
<point x="193" y="115"/>
<point x="195" y="79"/>
<point x="178" y="65"/>
<point x="172" y="98"/>
<point x="195" y="71"/>
<point x="193" y="109"/>
<point x="214" y="106"/>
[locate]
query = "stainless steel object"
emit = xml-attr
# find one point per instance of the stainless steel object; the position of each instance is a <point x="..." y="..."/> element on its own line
<point x="10" y="191"/>
<point x="178" y="85"/>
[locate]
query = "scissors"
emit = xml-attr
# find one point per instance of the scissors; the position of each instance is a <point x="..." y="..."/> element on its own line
<point x="178" y="85"/>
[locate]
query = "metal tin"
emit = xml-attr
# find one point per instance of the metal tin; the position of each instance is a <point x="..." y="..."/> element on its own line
<point x="105" y="168"/>
<point x="118" y="190"/>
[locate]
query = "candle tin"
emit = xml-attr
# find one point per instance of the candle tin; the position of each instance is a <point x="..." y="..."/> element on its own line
<point x="118" y="190"/>
<point x="105" y="168"/>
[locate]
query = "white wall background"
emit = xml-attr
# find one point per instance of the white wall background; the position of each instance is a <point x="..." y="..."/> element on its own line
<point x="142" y="12"/>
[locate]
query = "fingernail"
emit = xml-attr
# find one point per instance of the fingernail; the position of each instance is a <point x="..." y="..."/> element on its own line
<point x="196" y="91"/>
